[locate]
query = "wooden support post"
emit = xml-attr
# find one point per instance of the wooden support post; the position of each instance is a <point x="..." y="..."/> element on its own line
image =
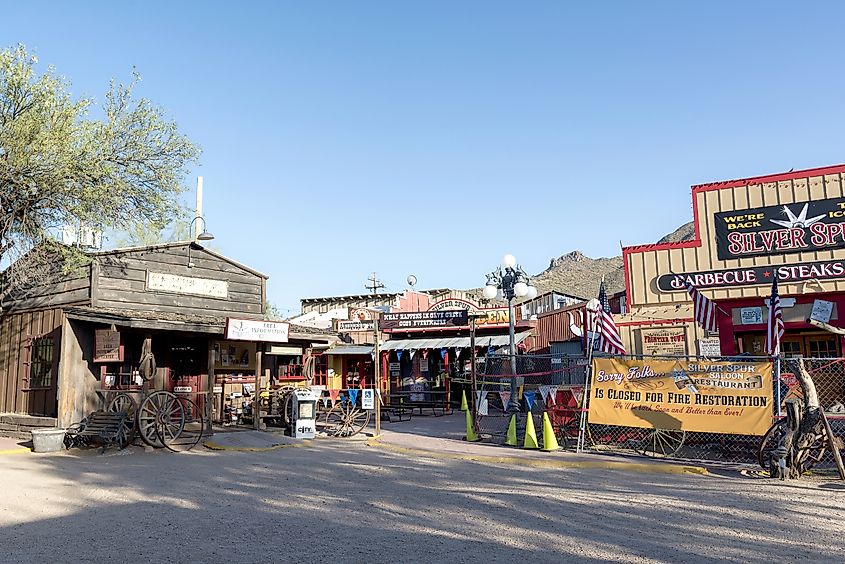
<point x="377" y="368"/>
<point x="209" y="390"/>
<point x="256" y="405"/>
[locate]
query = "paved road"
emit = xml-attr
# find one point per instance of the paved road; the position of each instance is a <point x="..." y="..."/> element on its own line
<point x="349" y="502"/>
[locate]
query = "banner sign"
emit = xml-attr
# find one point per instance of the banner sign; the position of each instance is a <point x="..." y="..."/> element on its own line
<point x="423" y="319"/>
<point x="668" y="341"/>
<point x="714" y="397"/>
<point x="493" y="317"/>
<point x="256" y="330"/>
<point x="753" y="275"/>
<point x="775" y="230"/>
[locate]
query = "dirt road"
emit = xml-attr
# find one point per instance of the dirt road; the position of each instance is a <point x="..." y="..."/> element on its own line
<point x="348" y="502"/>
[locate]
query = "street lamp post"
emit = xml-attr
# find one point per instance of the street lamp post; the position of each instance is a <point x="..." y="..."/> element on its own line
<point x="513" y="282"/>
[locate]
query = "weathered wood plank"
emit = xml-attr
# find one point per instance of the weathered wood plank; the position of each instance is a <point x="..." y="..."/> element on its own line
<point x="23" y="362"/>
<point x="127" y="285"/>
<point x="14" y="357"/>
<point x="5" y="351"/>
<point x="249" y="310"/>
<point x="80" y="296"/>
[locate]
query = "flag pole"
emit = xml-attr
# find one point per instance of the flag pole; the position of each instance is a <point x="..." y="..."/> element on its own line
<point x="591" y="339"/>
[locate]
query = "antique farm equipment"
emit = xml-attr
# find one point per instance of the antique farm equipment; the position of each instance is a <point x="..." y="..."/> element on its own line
<point x="799" y="441"/>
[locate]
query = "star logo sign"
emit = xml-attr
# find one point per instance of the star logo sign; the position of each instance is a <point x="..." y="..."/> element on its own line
<point x="799" y="221"/>
<point x="767" y="273"/>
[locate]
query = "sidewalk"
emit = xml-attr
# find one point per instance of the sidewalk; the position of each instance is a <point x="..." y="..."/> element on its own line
<point x="13" y="446"/>
<point x="442" y="437"/>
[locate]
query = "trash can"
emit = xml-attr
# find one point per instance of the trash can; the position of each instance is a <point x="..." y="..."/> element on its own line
<point x="47" y="440"/>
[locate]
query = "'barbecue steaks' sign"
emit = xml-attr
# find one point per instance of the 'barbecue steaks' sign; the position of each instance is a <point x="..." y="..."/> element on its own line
<point x="753" y="275"/>
<point x="775" y="230"/>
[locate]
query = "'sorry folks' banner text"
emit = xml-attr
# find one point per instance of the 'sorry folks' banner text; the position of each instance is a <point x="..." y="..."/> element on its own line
<point x="715" y="397"/>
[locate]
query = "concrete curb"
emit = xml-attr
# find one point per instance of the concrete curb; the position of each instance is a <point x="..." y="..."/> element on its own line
<point x="14" y="451"/>
<point x="216" y="446"/>
<point x="652" y="467"/>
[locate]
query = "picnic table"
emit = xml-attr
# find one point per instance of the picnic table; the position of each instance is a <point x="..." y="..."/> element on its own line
<point x="435" y="400"/>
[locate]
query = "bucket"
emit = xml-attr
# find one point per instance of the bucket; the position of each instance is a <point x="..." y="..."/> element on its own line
<point x="47" y="440"/>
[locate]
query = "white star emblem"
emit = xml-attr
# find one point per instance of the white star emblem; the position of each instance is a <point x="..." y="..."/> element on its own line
<point x="800" y="221"/>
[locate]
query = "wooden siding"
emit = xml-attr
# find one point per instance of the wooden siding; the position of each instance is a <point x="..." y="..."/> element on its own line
<point x="121" y="282"/>
<point x="75" y="289"/>
<point x="555" y="326"/>
<point x="645" y="265"/>
<point x="15" y="331"/>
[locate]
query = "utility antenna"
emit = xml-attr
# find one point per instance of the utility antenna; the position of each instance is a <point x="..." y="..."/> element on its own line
<point x="374" y="284"/>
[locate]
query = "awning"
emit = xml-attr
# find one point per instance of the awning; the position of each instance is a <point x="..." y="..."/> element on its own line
<point x="354" y="349"/>
<point x="451" y="342"/>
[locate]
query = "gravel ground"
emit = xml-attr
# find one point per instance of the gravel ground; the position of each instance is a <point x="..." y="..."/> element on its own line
<point x="348" y="502"/>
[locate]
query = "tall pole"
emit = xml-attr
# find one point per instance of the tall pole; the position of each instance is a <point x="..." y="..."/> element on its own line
<point x="473" y="380"/>
<point x="377" y="367"/>
<point x="198" y="211"/>
<point x="513" y="404"/>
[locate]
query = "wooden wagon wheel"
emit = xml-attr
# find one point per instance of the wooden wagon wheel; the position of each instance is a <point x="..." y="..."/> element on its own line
<point x="192" y="430"/>
<point x="161" y="415"/>
<point x="659" y="443"/>
<point x="771" y="440"/>
<point x="345" y="419"/>
<point x="811" y="449"/>
<point x="125" y="402"/>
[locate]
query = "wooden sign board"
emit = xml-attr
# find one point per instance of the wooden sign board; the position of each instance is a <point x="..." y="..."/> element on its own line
<point x="107" y="347"/>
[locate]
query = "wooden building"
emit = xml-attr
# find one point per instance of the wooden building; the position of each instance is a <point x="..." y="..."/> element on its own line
<point x="747" y="232"/>
<point x="66" y="344"/>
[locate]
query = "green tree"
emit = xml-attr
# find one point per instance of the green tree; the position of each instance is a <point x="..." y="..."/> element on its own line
<point x="61" y="166"/>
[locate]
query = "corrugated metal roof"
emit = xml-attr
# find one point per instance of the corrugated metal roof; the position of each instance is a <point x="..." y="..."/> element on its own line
<point x="450" y="342"/>
<point x="352" y="349"/>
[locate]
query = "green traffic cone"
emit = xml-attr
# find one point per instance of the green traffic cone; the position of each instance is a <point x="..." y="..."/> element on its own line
<point x="464" y="406"/>
<point x="471" y="436"/>
<point x="511" y="440"/>
<point x="530" y="440"/>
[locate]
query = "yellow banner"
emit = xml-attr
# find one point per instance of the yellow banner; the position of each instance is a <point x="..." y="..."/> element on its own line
<point x="716" y="397"/>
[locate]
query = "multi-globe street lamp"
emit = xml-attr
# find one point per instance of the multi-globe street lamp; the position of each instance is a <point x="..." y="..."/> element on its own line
<point x="512" y="281"/>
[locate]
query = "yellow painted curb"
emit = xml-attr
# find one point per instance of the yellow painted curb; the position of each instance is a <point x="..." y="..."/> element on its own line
<point x="657" y="467"/>
<point x="214" y="446"/>
<point x="14" y="451"/>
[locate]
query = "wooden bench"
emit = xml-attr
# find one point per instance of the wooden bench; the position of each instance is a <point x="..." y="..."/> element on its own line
<point x="105" y="427"/>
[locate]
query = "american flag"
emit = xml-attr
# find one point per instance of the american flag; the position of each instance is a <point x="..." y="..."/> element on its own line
<point x="705" y="310"/>
<point x="774" y="329"/>
<point x="602" y="324"/>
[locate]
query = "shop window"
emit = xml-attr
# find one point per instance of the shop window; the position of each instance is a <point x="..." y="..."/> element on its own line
<point x="41" y="363"/>
<point x="822" y="347"/>
<point x="321" y="369"/>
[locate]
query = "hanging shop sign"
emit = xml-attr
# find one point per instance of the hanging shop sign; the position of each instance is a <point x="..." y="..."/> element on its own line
<point x="713" y="397"/>
<point x="173" y="283"/>
<point x="775" y="230"/>
<point x="107" y="346"/>
<point x="753" y="275"/>
<point x="356" y="326"/>
<point x="256" y="330"/>
<point x="423" y="319"/>
<point x="667" y="341"/>
<point x="822" y="310"/>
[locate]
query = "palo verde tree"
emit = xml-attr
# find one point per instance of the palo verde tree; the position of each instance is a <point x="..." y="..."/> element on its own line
<point x="67" y="161"/>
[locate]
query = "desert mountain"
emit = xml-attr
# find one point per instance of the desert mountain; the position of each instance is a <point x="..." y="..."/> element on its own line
<point x="579" y="275"/>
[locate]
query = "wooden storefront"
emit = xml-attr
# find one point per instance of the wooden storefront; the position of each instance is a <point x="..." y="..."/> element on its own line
<point x="787" y="225"/>
<point x="175" y="296"/>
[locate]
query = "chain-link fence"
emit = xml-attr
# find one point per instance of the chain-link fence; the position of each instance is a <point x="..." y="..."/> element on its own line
<point x="556" y="386"/>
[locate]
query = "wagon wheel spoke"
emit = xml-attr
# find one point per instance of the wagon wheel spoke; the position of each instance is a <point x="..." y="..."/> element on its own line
<point x="126" y="403"/>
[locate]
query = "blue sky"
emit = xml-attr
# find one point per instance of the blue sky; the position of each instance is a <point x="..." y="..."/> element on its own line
<point x="342" y="138"/>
